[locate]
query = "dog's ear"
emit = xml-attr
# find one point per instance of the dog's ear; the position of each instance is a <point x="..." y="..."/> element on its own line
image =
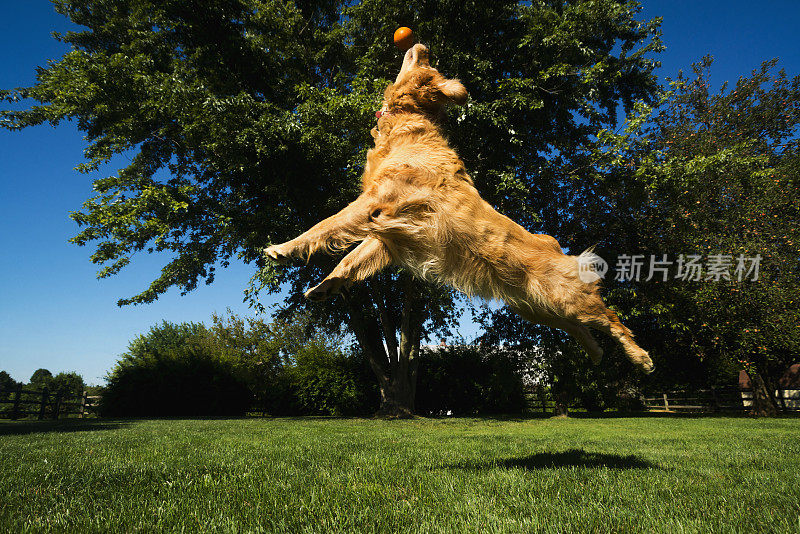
<point x="455" y="91"/>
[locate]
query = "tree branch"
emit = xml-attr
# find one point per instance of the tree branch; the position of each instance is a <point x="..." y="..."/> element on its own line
<point x="389" y="329"/>
<point x="411" y="327"/>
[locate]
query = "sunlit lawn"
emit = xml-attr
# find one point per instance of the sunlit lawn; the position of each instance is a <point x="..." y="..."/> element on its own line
<point x="456" y="475"/>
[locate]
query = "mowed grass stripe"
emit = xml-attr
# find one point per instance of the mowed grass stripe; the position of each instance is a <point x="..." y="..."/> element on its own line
<point x="425" y="475"/>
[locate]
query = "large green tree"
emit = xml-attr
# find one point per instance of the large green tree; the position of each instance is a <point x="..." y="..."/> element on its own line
<point x="248" y="120"/>
<point x="714" y="174"/>
<point x="708" y="178"/>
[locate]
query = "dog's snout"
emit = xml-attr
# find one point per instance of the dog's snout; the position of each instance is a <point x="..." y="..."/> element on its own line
<point x="416" y="56"/>
<point x="419" y="55"/>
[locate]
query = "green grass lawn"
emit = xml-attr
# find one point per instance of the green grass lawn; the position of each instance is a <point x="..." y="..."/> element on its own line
<point x="426" y="475"/>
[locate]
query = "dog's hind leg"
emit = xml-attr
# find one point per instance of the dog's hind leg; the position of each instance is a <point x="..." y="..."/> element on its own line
<point x="366" y="259"/>
<point x="607" y="321"/>
<point x="575" y="329"/>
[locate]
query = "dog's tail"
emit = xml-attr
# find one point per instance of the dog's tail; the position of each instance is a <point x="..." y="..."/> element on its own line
<point x="589" y="254"/>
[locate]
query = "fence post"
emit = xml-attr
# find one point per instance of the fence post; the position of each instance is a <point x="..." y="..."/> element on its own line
<point x="57" y="407"/>
<point x="83" y="406"/>
<point x="43" y="402"/>
<point x="781" y="399"/>
<point x="666" y="404"/>
<point x="15" y="409"/>
<point x="714" y="402"/>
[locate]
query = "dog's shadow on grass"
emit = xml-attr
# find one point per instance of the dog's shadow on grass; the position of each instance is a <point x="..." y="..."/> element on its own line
<point x="556" y="460"/>
<point x="18" y="428"/>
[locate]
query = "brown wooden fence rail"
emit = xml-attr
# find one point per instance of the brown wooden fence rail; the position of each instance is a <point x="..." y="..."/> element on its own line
<point x="730" y="399"/>
<point x="42" y="404"/>
<point x="539" y="402"/>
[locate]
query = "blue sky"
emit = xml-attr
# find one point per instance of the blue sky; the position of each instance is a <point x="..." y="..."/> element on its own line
<point x="55" y="314"/>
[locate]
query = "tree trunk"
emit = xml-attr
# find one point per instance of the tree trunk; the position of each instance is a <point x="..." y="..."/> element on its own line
<point x="394" y="365"/>
<point x="563" y="390"/>
<point x="764" y="404"/>
<point x="397" y="399"/>
<point x="561" y="408"/>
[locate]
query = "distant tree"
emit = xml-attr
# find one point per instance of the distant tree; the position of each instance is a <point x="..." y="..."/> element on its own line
<point x="67" y="384"/>
<point x="7" y="384"/>
<point x="248" y="121"/>
<point x="94" y="390"/>
<point x="41" y="378"/>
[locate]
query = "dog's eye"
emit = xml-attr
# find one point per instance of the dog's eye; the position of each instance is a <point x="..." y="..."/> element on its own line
<point x="375" y="213"/>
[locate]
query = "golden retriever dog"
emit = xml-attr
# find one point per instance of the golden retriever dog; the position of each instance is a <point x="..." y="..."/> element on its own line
<point x="419" y="209"/>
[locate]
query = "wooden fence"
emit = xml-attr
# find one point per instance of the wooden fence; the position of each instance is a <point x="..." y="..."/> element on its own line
<point x="42" y="404"/>
<point x="714" y="400"/>
<point x="540" y="402"/>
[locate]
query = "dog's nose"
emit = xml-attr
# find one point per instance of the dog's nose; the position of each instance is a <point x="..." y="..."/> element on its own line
<point x="417" y="56"/>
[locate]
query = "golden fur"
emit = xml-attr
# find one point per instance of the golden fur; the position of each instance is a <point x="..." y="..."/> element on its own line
<point x="420" y="209"/>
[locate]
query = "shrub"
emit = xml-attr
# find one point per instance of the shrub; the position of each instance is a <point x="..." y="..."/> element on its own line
<point x="174" y="370"/>
<point x="468" y="380"/>
<point x="325" y="381"/>
<point x="260" y="352"/>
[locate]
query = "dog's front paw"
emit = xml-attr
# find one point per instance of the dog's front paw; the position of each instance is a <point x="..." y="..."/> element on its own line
<point x="325" y="290"/>
<point x="279" y="253"/>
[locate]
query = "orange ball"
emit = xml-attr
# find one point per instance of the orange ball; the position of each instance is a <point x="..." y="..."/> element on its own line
<point x="403" y="38"/>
